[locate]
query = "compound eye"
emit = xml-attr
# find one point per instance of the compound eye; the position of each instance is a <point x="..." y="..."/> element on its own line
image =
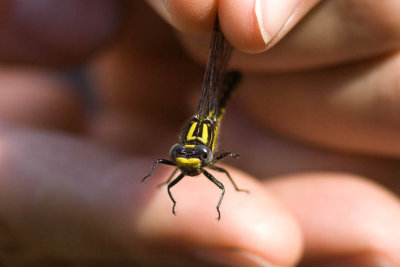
<point x="174" y="151"/>
<point x="204" y="153"/>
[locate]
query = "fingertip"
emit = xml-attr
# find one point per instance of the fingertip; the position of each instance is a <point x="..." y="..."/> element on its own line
<point x="240" y="26"/>
<point x="254" y="26"/>
<point x="249" y="223"/>
<point x="239" y="20"/>
<point x="192" y="16"/>
<point x="342" y="215"/>
<point x="188" y="16"/>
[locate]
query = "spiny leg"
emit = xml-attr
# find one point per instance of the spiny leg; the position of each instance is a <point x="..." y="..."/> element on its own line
<point x="216" y="168"/>
<point x="224" y="155"/>
<point x="174" y="182"/>
<point x="220" y="185"/>
<point x="162" y="161"/>
<point x="169" y="178"/>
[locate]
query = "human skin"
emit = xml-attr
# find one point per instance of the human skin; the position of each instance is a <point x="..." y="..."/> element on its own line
<point x="315" y="121"/>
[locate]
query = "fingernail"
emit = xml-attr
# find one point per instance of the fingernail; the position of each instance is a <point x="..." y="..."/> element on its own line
<point x="231" y="257"/>
<point x="272" y="16"/>
<point x="365" y="261"/>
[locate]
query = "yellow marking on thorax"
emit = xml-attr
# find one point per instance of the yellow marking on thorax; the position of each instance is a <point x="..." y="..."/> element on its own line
<point x="204" y="135"/>
<point x="190" y="162"/>
<point x="190" y="146"/>
<point x="190" y="136"/>
<point x="215" y="138"/>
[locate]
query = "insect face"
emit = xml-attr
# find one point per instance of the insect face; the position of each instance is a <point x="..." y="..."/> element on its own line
<point x="191" y="158"/>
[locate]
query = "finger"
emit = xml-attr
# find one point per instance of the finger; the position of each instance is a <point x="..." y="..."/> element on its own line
<point x="62" y="32"/>
<point x="187" y="15"/>
<point x="347" y="220"/>
<point x="256" y="146"/>
<point x="352" y="108"/>
<point x="67" y="199"/>
<point x="40" y="99"/>
<point x="251" y="25"/>
<point x="255" y="219"/>
<point x="332" y="33"/>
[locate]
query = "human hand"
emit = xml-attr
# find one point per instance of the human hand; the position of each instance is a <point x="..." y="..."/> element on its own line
<point x="69" y="194"/>
<point x="70" y="199"/>
<point x="329" y="80"/>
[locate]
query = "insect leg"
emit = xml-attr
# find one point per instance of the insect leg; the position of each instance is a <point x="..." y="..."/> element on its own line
<point x="169" y="178"/>
<point x="174" y="182"/>
<point x="224" y="155"/>
<point x="162" y="161"/>
<point x="216" y="168"/>
<point x="220" y="185"/>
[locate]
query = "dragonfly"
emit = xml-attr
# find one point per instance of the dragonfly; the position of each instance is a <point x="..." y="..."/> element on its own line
<point x="194" y="151"/>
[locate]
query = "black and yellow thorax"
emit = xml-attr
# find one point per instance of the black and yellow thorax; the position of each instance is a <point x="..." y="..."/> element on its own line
<point x="200" y="131"/>
<point x="195" y="148"/>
